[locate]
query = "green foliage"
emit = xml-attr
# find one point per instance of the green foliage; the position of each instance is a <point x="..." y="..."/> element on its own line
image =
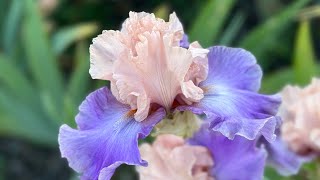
<point x="34" y="98"/>
<point x="232" y="29"/>
<point x="208" y="24"/>
<point x="274" y="82"/>
<point x="11" y="25"/>
<point x="262" y="39"/>
<point x="304" y="64"/>
<point x="41" y="60"/>
<point x="68" y="35"/>
<point x="304" y="58"/>
<point x="78" y="83"/>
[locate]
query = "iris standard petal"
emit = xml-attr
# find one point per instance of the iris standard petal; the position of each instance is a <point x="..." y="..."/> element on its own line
<point x="145" y="63"/>
<point x="230" y="101"/>
<point x="107" y="136"/>
<point x="233" y="159"/>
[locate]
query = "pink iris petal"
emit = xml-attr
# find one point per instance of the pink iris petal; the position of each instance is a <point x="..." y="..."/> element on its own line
<point x="171" y="158"/>
<point x="146" y="65"/>
<point x="301" y="118"/>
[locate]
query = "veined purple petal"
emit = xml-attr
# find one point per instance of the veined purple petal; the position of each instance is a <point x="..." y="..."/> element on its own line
<point x="280" y="157"/>
<point x="107" y="136"/>
<point x="225" y="102"/>
<point x="233" y="68"/>
<point x="239" y="112"/>
<point x="230" y="101"/>
<point x="233" y="159"/>
<point x="248" y="128"/>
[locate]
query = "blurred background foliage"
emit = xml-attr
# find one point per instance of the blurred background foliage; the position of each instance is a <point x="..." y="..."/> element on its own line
<point x="44" y="62"/>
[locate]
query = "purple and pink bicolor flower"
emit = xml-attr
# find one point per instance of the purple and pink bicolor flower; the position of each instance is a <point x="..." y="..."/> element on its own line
<point x="155" y="72"/>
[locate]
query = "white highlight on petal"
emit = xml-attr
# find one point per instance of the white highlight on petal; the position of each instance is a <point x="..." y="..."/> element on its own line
<point x="145" y="64"/>
<point x="301" y="117"/>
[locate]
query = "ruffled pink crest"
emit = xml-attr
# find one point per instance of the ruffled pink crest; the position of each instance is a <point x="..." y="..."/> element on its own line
<point x="170" y="158"/>
<point x="301" y="117"/>
<point x="145" y="64"/>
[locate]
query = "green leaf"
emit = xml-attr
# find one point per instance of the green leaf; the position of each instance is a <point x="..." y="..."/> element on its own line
<point x="17" y="83"/>
<point x="18" y="120"/>
<point x="264" y="37"/>
<point x="78" y="84"/>
<point x="209" y="22"/>
<point x="311" y="170"/>
<point x="232" y="29"/>
<point x="70" y="108"/>
<point x="68" y="35"/>
<point x="11" y="26"/>
<point x="310" y="12"/>
<point x="3" y="14"/>
<point x="79" y="81"/>
<point x="271" y="174"/>
<point x="274" y="82"/>
<point x="42" y="63"/>
<point x="304" y="57"/>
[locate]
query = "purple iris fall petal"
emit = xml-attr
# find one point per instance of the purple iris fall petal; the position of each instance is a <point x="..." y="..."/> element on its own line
<point x="248" y="128"/>
<point x="107" y="136"/>
<point x="231" y="101"/>
<point x="237" y="159"/>
<point x="285" y="161"/>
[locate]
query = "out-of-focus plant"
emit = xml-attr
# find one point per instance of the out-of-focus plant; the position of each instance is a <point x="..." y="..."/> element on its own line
<point x="304" y="63"/>
<point x="304" y="67"/>
<point x="208" y="28"/>
<point x="211" y="26"/>
<point x="35" y="96"/>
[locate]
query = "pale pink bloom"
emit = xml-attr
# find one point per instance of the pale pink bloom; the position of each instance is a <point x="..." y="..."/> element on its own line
<point x="300" y="111"/>
<point x="170" y="158"/>
<point x="145" y="63"/>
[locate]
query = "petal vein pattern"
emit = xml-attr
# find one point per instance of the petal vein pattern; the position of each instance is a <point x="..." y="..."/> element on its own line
<point x="231" y="101"/>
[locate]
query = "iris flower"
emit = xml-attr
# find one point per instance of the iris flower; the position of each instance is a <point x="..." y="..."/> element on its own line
<point x="298" y="137"/>
<point x="208" y="155"/>
<point x="154" y="72"/>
